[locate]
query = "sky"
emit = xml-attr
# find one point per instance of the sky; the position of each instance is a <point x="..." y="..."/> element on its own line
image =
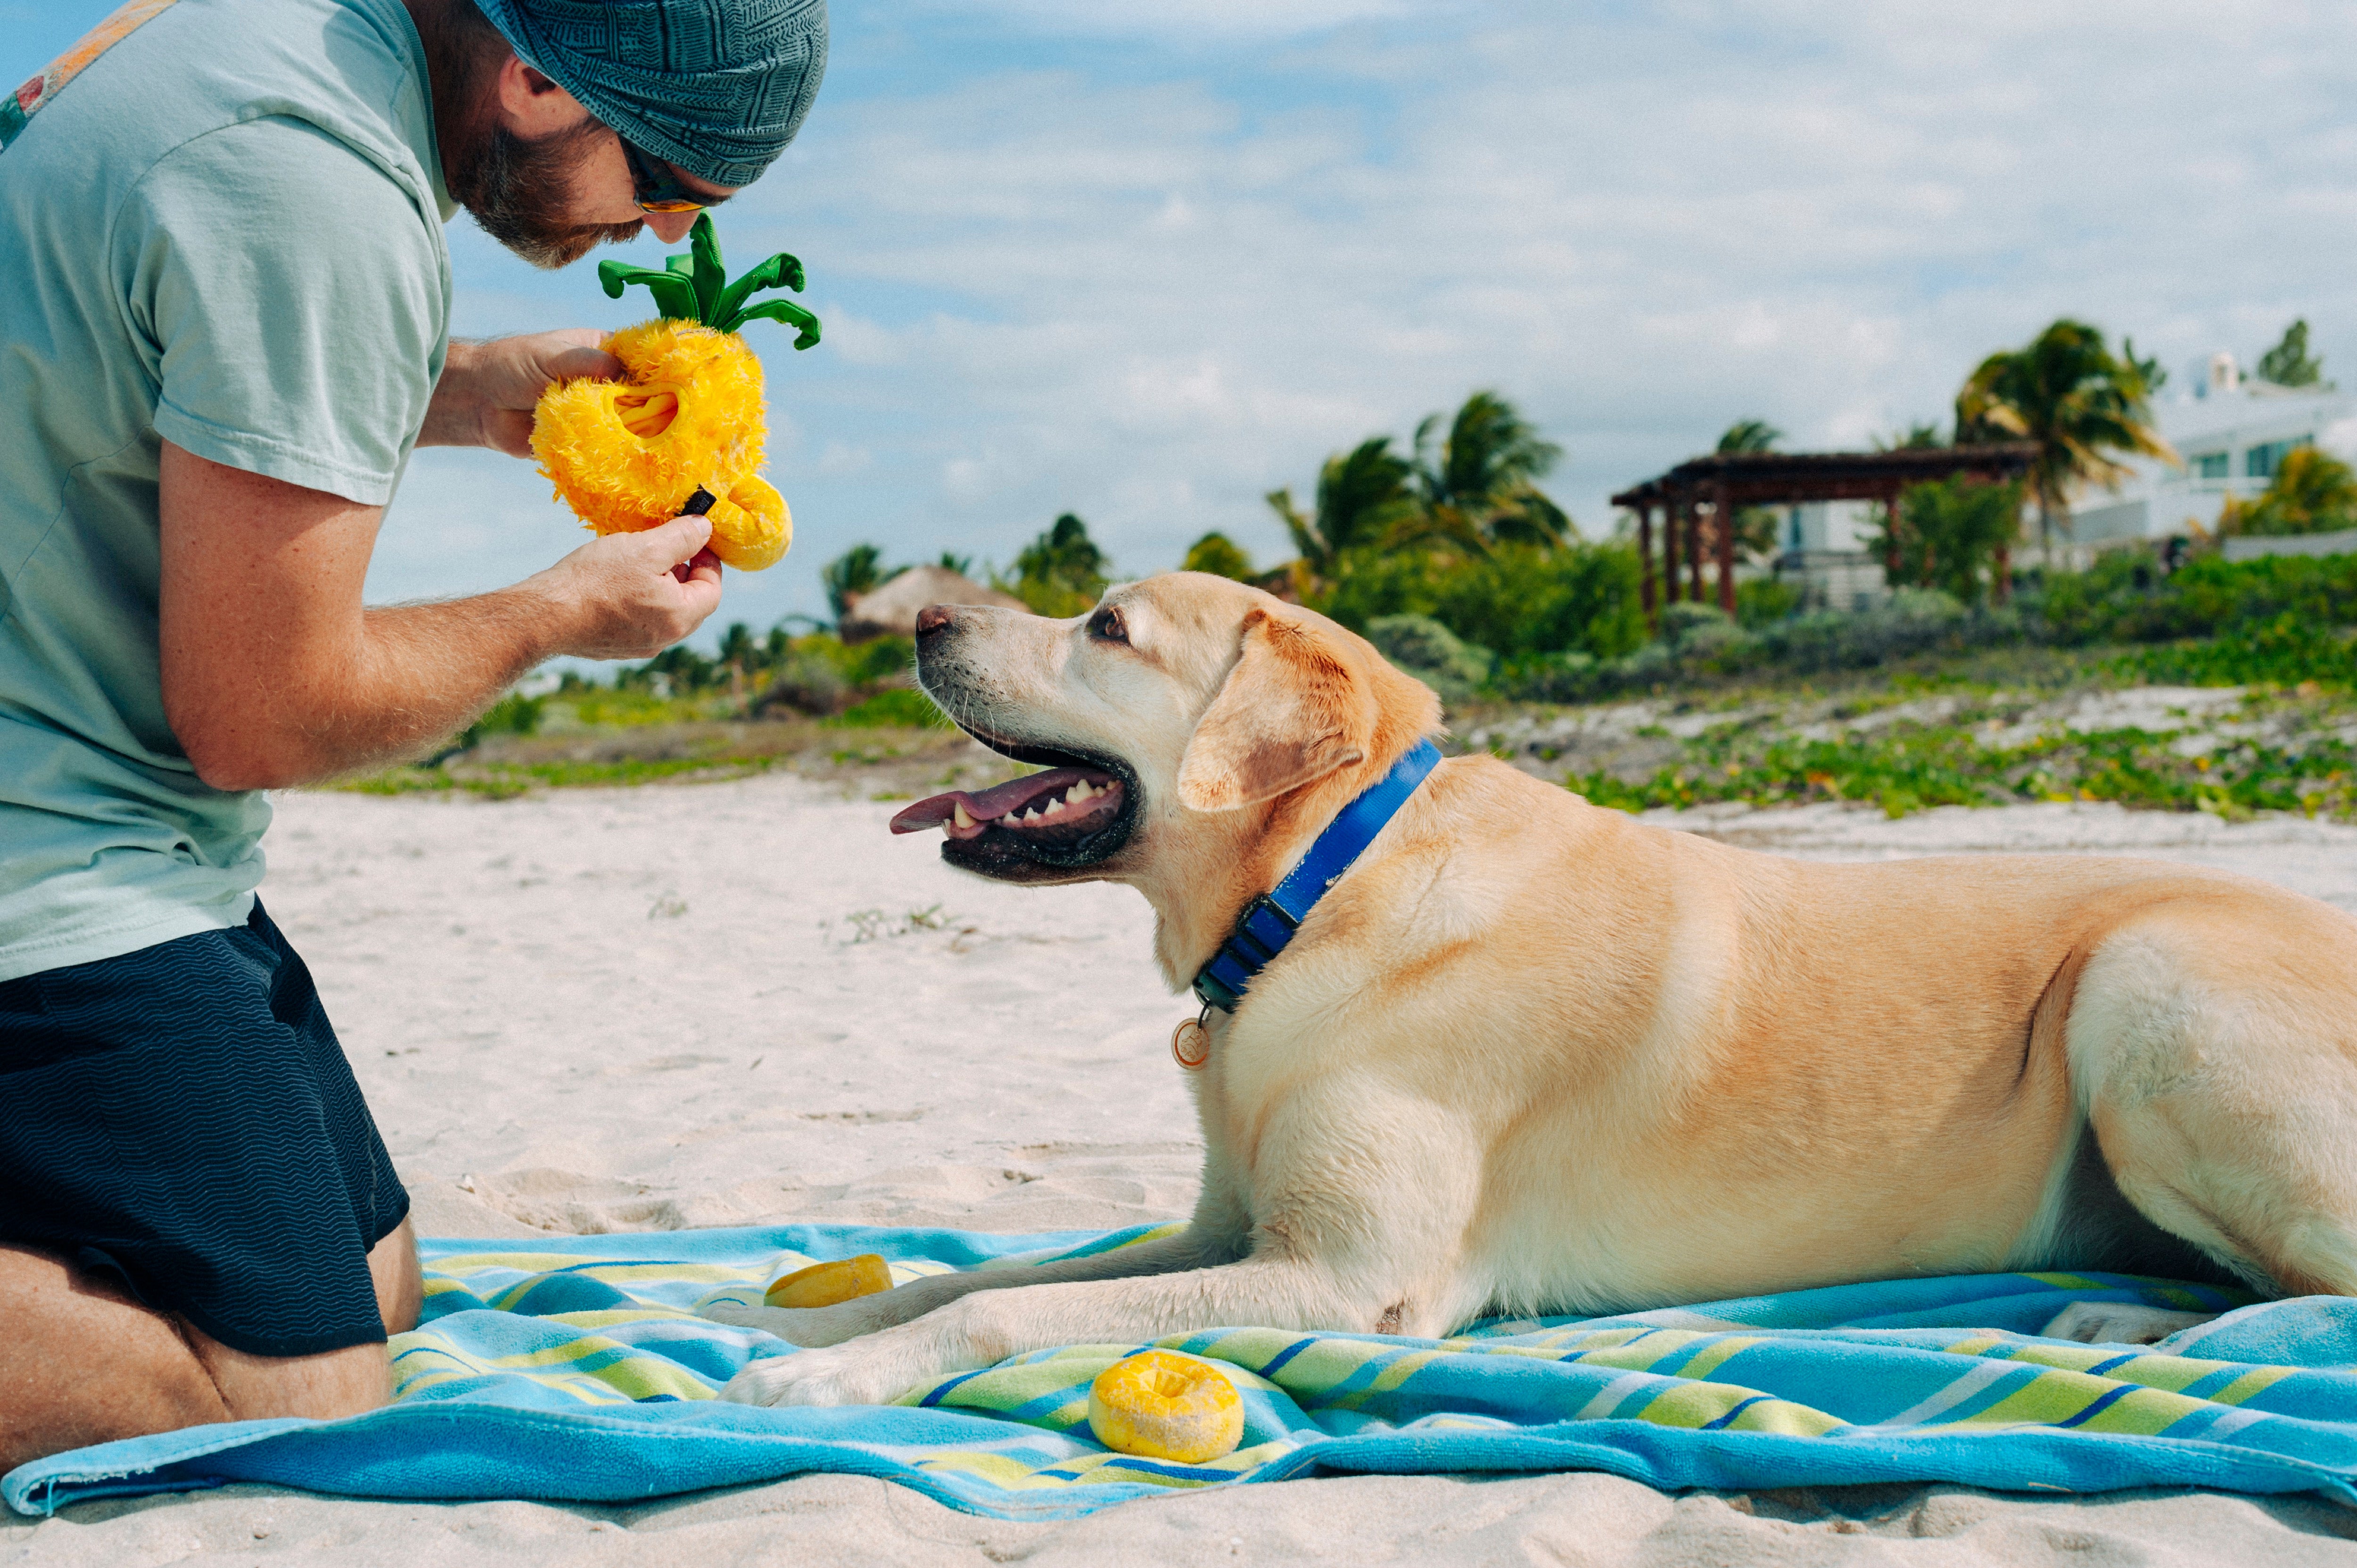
<point x="1147" y="262"/>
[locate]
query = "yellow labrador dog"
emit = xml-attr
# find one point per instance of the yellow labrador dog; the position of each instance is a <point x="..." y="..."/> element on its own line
<point x="1529" y="1055"/>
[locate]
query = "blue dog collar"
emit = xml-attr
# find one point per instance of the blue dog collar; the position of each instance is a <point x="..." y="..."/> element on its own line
<point x="1269" y="921"/>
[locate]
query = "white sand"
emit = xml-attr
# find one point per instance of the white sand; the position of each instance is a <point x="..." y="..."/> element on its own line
<point x="703" y="1006"/>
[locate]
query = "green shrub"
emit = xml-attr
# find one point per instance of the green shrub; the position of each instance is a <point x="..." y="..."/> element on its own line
<point x="2284" y="651"/>
<point x="805" y="683"/>
<point x="1432" y="654"/>
<point x="862" y="663"/>
<point x="1761" y="601"/>
<point x="2127" y="597"/>
<point x="1219" y="555"/>
<point x="1517" y="600"/>
<point x="514" y="713"/>
<point x="1947" y="536"/>
<point x="895" y="707"/>
<point x="2311" y="492"/>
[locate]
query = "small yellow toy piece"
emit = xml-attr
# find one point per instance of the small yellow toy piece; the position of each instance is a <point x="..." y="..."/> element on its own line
<point x="684" y="430"/>
<point x="1158" y="1404"/>
<point x="824" y="1285"/>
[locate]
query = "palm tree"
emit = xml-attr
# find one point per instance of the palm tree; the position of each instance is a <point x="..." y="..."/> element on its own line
<point x="2080" y="404"/>
<point x="1363" y="499"/>
<point x="1480" y="488"/>
<point x="858" y="570"/>
<point x="1750" y="435"/>
<point x="1922" y="436"/>
<point x="1755" y="527"/>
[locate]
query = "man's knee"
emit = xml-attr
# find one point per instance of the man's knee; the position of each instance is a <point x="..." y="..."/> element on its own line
<point x="323" y="1387"/>
<point x="159" y="1373"/>
<point x="59" y="1389"/>
<point x="400" y="1288"/>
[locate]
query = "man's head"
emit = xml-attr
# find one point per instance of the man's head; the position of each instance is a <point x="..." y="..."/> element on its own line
<point x="558" y="119"/>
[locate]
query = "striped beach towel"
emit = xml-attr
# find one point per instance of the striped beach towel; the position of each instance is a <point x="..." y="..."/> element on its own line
<point x="576" y="1369"/>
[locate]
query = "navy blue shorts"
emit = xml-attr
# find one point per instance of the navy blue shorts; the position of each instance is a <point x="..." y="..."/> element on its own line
<point x="183" y="1119"/>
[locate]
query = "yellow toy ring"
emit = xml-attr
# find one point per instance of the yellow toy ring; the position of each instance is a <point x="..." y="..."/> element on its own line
<point x="1158" y="1404"/>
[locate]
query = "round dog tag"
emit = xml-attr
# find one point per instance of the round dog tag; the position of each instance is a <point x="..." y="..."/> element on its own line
<point x="1190" y="1044"/>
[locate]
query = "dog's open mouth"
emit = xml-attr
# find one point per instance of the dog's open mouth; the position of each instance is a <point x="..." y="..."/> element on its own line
<point x="1063" y="805"/>
<point x="1075" y="814"/>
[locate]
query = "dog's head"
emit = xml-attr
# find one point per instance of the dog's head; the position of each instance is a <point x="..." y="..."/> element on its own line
<point x="1163" y="717"/>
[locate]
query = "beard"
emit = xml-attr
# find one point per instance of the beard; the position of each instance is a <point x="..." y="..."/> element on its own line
<point x="519" y="189"/>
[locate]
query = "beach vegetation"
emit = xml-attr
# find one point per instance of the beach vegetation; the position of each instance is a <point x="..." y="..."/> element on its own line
<point x="1905" y="768"/>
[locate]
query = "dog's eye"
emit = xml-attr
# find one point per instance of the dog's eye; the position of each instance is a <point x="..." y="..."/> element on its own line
<point x="1108" y="625"/>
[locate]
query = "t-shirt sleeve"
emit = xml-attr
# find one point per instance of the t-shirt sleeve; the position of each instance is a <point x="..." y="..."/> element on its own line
<point x="294" y="303"/>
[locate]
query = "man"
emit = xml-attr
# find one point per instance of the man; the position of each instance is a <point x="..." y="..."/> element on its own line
<point x="224" y="308"/>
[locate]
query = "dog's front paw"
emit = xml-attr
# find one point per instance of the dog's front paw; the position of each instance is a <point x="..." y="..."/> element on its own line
<point x="808" y="1326"/>
<point x="839" y="1376"/>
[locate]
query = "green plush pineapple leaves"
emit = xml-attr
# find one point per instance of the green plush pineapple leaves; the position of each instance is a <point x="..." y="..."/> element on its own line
<point x="695" y="287"/>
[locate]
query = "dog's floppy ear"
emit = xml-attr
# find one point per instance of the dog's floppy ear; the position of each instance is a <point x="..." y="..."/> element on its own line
<point x="1294" y="708"/>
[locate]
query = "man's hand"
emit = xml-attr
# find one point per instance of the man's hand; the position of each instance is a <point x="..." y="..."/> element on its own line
<point x="629" y="596"/>
<point x="487" y="391"/>
<point x="274" y="674"/>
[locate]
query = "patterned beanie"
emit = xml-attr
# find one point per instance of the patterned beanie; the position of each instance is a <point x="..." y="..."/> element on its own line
<point x="717" y="87"/>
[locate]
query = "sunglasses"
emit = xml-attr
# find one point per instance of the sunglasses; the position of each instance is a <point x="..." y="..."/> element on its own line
<point x="658" y="188"/>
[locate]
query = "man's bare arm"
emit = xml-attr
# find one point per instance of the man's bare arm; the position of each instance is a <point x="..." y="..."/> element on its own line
<point x="274" y="675"/>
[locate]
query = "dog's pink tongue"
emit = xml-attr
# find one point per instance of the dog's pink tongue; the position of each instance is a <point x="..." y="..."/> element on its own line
<point x="986" y="807"/>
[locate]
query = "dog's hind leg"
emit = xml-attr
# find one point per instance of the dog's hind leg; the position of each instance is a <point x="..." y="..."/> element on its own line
<point x="2213" y="1045"/>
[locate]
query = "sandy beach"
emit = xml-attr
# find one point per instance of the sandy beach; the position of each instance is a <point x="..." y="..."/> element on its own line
<point x="745" y="1002"/>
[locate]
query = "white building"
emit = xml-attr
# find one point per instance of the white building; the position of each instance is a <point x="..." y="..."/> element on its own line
<point x="1823" y="550"/>
<point x="2233" y="433"/>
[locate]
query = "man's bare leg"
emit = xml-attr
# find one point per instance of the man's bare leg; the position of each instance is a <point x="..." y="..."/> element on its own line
<point x="81" y="1362"/>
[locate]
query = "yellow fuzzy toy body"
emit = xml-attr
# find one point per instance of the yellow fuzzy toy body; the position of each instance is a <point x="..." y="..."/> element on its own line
<point x="629" y="454"/>
<point x="683" y="430"/>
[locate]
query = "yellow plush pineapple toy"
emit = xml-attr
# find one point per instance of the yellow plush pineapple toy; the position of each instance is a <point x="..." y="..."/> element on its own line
<point x="684" y="430"/>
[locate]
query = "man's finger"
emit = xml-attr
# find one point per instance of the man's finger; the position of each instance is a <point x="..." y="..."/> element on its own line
<point x="678" y="540"/>
<point x="701" y="591"/>
<point x="572" y="364"/>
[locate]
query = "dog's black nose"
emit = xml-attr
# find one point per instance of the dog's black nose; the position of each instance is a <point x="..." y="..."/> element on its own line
<point x="930" y="619"/>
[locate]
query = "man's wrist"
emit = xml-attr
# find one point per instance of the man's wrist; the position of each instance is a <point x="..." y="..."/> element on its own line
<point x="455" y="415"/>
<point x="552" y="617"/>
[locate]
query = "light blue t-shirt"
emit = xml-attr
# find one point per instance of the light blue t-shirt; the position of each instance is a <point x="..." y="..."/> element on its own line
<point x="225" y="232"/>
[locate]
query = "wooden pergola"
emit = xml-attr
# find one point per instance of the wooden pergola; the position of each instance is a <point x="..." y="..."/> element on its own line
<point x="1698" y="500"/>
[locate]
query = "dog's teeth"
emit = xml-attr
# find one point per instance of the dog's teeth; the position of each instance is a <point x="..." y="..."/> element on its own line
<point x="958" y="814"/>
